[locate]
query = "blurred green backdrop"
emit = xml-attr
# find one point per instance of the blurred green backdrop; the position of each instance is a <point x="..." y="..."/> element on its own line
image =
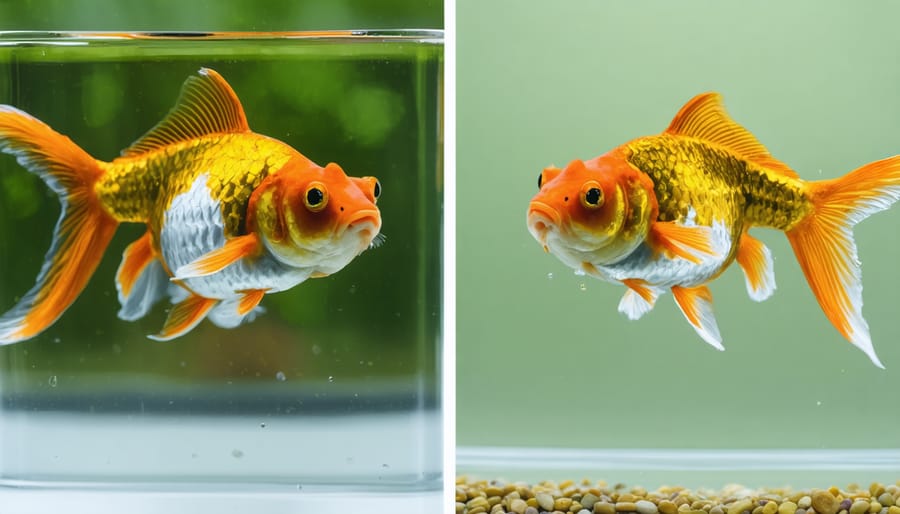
<point x="544" y="358"/>
<point x="204" y="15"/>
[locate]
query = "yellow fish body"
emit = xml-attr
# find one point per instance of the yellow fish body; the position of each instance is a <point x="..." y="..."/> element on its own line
<point x="672" y="211"/>
<point x="231" y="215"/>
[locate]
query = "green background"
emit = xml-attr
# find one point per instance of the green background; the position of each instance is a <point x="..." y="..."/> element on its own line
<point x="543" y="362"/>
<point x="202" y="15"/>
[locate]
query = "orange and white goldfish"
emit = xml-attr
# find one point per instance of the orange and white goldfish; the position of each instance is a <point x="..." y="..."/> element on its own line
<point x="672" y="211"/>
<point x="231" y="215"/>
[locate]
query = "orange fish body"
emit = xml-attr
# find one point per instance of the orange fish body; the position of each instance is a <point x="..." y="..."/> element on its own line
<point x="671" y="212"/>
<point x="231" y="215"/>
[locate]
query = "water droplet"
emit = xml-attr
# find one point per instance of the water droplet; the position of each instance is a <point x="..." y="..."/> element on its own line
<point x="582" y="286"/>
<point x="280" y="376"/>
<point x="56" y="340"/>
<point x="52" y="381"/>
<point x="819" y="403"/>
<point x="262" y="425"/>
<point x="550" y="275"/>
<point x="316" y="349"/>
<point x="237" y="454"/>
<point x="330" y="378"/>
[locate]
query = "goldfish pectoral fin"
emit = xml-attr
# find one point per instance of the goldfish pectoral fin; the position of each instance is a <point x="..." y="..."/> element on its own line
<point x="237" y="310"/>
<point x="141" y="280"/>
<point x="755" y="260"/>
<point x="696" y="305"/>
<point x="694" y="243"/>
<point x="639" y="298"/>
<point x="184" y="316"/>
<point x="82" y="234"/>
<point x="824" y="246"/>
<point x="232" y="251"/>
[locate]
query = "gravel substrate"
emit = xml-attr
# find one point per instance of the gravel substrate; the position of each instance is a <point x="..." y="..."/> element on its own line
<point x="495" y="497"/>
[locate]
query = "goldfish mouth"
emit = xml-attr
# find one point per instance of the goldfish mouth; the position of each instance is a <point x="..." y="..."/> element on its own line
<point x="541" y="219"/>
<point x="365" y="223"/>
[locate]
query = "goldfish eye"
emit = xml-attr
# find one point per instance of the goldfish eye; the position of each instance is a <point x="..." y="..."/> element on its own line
<point x="540" y="180"/>
<point x="316" y="198"/>
<point x="376" y="191"/>
<point x="591" y="196"/>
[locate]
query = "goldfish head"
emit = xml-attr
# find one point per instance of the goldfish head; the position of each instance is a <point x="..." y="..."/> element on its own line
<point x="316" y="218"/>
<point x="594" y="212"/>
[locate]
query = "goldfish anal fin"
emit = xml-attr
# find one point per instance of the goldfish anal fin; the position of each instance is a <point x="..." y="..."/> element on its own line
<point x="141" y="280"/>
<point x="250" y="300"/>
<point x="184" y="316"/>
<point x="234" y="249"/>
<point x="639" y="298"/>
<point x="755" y="260"/>
<point x="207" y="105"/>
<point x="824" y="246"/>
<point x="688" y="242"/>
<point x="704" y="117"/>
<point x="696" y="305"/>
<point x="81" y="235"/>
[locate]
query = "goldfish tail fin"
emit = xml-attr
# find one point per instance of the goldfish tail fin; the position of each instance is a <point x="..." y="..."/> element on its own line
<point x="824" y="246"/>
<point x="81" y="235"/>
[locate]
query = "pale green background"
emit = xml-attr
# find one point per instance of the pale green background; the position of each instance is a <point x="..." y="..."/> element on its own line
<point x="543" y="363"/>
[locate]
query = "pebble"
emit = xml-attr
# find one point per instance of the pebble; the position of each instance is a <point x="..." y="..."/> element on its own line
<point x="886" y="499"/>
<point x="518" y="506"/>
<point x="859" y="507"/>
<point x="893" y="509"/>
<point x="625" y="507"/>
<point x="531" y="510"/>
<point x="787" y="507"/>
<point x="545" y="500"/>
<point x="562" y="504"/>
<point x="825" y="503"/>
<point x="588" y="501"/>
<point x="667" y="507"/>
<point x="646" y="507"/>
<point x="604" y="507"/>
<point x="740" y="506"/>
<point x="717" y="509"/>
<point x="805" y="502"/>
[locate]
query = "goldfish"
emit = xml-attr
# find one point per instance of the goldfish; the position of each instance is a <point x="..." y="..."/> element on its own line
<point x="671" y="212"/>
<point x="231" y="215"/>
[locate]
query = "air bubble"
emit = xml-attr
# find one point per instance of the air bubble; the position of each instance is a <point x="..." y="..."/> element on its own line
<point x="280" y="376"/>
<point x="582" y="286"/>
<point x="52" y="381"/>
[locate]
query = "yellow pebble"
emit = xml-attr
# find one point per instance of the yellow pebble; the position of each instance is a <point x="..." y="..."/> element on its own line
<point x="562" y="504"/>
<point x="518" y="505"/>
<point x="787" y="507"/>
<point x="667" y="507"/>
<point x="824" y="502"/>
<point x="876" y="489"/>
<point x="770" y="508"/>
<point x="740" y="506"/>
<point x="893" y="509"/>
<point x="625" y="507"/>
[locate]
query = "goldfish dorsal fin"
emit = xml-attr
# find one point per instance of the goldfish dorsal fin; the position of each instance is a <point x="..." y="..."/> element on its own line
<point x="704" y="117"/>
<point x="207" y="105"/>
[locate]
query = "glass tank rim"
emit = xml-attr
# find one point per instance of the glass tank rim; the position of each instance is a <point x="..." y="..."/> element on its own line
<point x="426" y="36"/>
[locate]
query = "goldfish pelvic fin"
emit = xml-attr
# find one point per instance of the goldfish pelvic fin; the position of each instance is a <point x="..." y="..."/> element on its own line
<point x="141" y="280"/>
<point x="250" y="300"/>
<point x="755" y="260"/>
<point x="639" y="298"/>
<point x="824" y="246"/>
<point x="696" y="305"/>
<point x="688" y="242"/>
<point x="232" y="251"/>
<point x="704" y="117"/>
<point x="81" y="235"/>
<point x="207" y="105"/>
<point x="184" y="316"/>
<point x="237" y="310"/>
